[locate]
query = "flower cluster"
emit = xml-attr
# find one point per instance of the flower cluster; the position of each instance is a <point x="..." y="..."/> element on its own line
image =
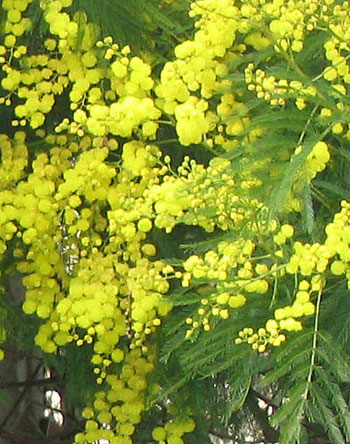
<point x="123" y="108"/>
<point x="285" y="319"/>
<point x="188" y="82"/>
<point x="14" y="158"/>
<point x="277" y="91"/>
<point x="338" y="241"/>
<point x="123" y="401"/>
<point x="173" y="431"/>
<point x="15" y="24"/>
<point x="232" y="275"/>
<point x="308" y="260"/>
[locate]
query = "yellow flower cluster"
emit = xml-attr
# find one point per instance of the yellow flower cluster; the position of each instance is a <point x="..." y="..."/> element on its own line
<point x="43" y="76"/>
<point x="14" y="158"/>
<point x="337" y="46"/>
<point x="191" y="122"/>
<point x="29" y="214"/>
<point x="138" y="157"/>
<point x="285" y="23"/>
<point x="33" y="212"/>
<point x="337" y="73"/>
<point x="234" y="114"/>
<point x="59" y="22"/>
<point x="301" y="306"/>
<point x="262" y="338"/>
<point x="131" y="105"/>
<point x="134" y="110"/>
<point x="308" y="258"/>
<point x="284" y="320"/>
<point x="90" y="177"/>
<point x="15" y="24"/>
<point x="286" y="232"/>
<point x="277" y="91"/>
<point x="46" y="76"/>
<point x="288" y="25"/>
<point x="217" y="188"/>
<point x="232" y="275"/>
<point x="338" y="241"/>
<point x="316" y="161"/>
<point x="91" y="304"/>
<point x="88" y="290"/>
<point x="198" y="70"/>
<point x="173" y="431"/>
<point x="122" y="402"/>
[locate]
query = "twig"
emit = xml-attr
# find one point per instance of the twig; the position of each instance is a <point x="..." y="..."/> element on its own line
<point x="37" y="382"/>
<point x="20" y="398"/>
<point x="12" y="438"/>
<point x="265" y="399"/>
<point x="314" y="345"/>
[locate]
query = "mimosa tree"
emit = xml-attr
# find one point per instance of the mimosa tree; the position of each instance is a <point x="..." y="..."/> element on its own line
<point x="174" y="185"/>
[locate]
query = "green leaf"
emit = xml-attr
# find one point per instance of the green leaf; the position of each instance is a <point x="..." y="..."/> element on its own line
<point x="308" y="215"/>
<point x="239" y="389"/>
<point x="336" y="397"/>
<point x="333" y="188"/>
<point x="292" y="408"/>
<point x="328" y="419"/>
<point x="287" y="367"/>
<point x="280" y="193"/>
<point x="289" y="415"/>
<point x="334" y="357"/>
<point x="290" y="430"/>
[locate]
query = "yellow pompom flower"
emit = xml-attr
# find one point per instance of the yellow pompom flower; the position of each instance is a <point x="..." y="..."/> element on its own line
<point x="338" y="268"/>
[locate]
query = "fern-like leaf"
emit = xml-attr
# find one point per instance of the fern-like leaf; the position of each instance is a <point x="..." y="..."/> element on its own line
<point x="335" y="395"/>
<point x="329" y="421"/>
<point x="292" y="408"/>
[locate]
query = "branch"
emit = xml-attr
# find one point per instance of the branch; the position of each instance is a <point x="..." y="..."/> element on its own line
<point x="237" y="440"/>
<point x="20" y="398"/>
<point x="260" y="415"/>
<point x="12" y="438"/>
<point x="265" y="399"/>
<point x="31" y="383"/>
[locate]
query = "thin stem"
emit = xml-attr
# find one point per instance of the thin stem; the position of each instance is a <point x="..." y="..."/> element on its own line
<point x="328" y="68"/>
<point x="307" y="124"/>
<point x="261" y="276"/>
<point x="275" y="288"/>
<point x="20" y="398"/>
<point x="35" y="382"/>
<point x="165" y="122"/>
<point x="294" y="66"/>
<point x="162" y="142"/>
<point x="314" y="344"/>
